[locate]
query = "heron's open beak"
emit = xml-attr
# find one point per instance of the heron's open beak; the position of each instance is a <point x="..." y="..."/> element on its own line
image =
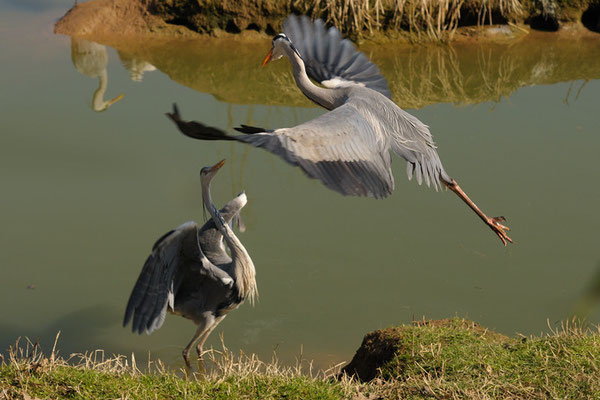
<point x="267" y="58"/>
<point x="217" y="166"/>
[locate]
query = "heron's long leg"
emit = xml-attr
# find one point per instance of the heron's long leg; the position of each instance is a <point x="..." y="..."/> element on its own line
<point x="199" y="332"/>
<point x="493" y="223"/>
<point x="200" y="344"/>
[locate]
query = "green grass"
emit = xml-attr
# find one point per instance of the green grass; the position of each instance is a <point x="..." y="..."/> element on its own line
<point x="447" y="359"/>
<point x="74" y="383"/>
<point x="461" y="360"/>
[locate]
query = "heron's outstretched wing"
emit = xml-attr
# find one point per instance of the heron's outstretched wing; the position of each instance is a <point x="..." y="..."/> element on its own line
<point x="329" y="59"/>
<point x="211" y="239"/>
<point x="405" y="134"/>
<point x="173" y="256"/>
<point x="339" y="148"/>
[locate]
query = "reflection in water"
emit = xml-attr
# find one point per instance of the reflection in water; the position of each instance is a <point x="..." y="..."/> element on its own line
<point x="576" y="93"/>
<point x="135" y="66"/>
<point x="472" y="74"/>
<point x="77" y="329"/>
<point x="590" y="298"/>
<point x="418" y="75"/>
<point x="90" y="59"/>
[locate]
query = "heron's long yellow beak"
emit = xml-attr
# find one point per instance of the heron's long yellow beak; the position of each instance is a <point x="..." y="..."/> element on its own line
<point x="217" y="166"/>
<point x="113" y="101"/>
<point x="267" y="58"/>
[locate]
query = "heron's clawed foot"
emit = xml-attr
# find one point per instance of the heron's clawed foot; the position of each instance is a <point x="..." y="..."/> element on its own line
<point x="499" y="229"/>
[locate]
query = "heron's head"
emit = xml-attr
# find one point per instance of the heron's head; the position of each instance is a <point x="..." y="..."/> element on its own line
<point x="207" y="173"/>
<point x="280" y="46"/>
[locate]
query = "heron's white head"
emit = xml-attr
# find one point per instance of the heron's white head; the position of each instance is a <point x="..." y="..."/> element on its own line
<point x="281" y="45"/>
<point x="208" y="173"/>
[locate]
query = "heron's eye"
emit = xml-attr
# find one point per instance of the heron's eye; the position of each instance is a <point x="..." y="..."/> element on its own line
<point x="280" y="36"/>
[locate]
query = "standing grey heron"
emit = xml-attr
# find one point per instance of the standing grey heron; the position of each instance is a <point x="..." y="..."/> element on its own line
<point x="189" y="273"/>
<point x="347" y="148"/>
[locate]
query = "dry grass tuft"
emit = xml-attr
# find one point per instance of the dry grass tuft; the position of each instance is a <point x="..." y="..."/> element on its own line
<point x="434" y="20"/>
<point x="224" y="365"/>
<point x="27" y="373"/>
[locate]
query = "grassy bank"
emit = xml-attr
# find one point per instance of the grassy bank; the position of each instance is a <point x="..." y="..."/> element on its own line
<point x="437" y="359"/>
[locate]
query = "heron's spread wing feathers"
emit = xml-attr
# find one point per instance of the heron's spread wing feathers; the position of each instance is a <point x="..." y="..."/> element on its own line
<point x="173" y="256"/>
<point x="339" y="148"/>
<point x="331" y="60"/>
<point x="411" y="139"/>
<point x="348" y="148"/>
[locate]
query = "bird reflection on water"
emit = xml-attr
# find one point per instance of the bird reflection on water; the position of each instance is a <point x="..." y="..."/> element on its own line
<point x="589" y="301"/>
<point x="91" y="59"/>
<point x="136" y="66"/>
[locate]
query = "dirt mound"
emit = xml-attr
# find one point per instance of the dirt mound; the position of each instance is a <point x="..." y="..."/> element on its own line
<point x="109" y="18"/>
<point x="381" y="346"/>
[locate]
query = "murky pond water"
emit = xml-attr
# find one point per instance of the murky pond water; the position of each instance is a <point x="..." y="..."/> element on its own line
<point x="86" y="193"/>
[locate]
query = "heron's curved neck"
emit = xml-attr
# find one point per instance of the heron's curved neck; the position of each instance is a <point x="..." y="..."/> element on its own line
<point x="98" y="102"/>
<point x="328" y="98"/>
<point x="243" y="267"/>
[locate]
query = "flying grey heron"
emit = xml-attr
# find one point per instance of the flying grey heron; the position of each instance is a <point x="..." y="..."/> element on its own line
<point x="348" y="147"/>
<point x="189" y="273"/>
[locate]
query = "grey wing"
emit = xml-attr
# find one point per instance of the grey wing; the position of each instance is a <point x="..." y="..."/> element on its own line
<point x="173" y="256"/>
<point x="340" y="148"/>
<point x="211" y="239"/>
<point x="411" y="139"/>
<point x="331" y="60"/>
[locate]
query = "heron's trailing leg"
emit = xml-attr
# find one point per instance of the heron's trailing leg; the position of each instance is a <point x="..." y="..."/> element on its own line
<point x="494" y="223"/>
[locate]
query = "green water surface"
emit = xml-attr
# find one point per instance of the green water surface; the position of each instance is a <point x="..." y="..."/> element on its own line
<point x="85" y="194"/>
